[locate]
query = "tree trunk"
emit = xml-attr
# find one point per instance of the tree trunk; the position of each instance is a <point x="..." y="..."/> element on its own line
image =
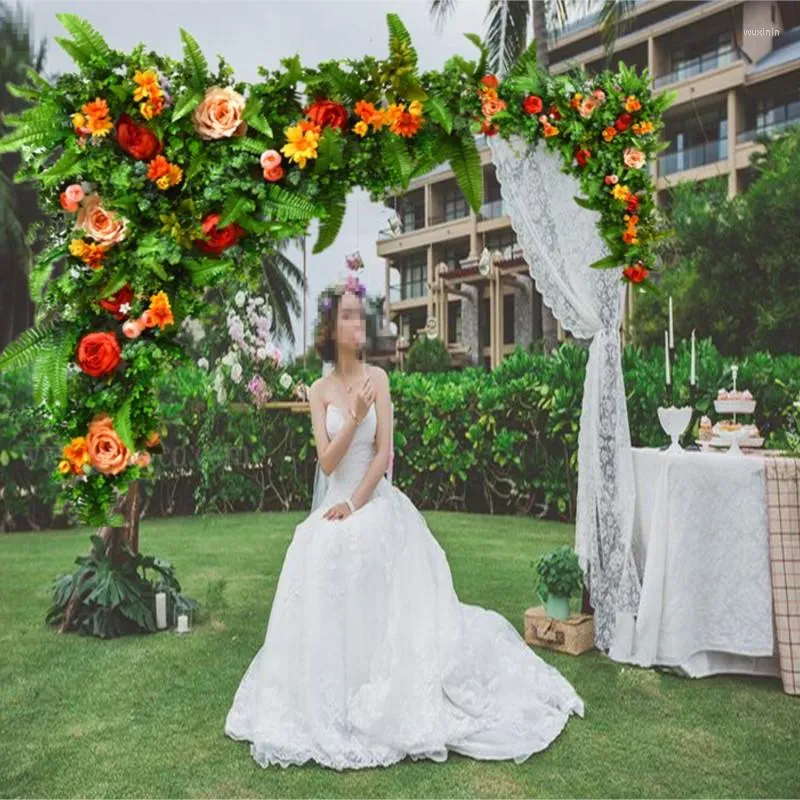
<point x="130" y="506"/>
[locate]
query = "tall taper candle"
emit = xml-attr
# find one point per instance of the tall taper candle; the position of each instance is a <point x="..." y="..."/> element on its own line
<point x="693" y="372"/>
<point x="671" y="325"/>
<point x="161" y="610"/>
<point x="666" y="356"/>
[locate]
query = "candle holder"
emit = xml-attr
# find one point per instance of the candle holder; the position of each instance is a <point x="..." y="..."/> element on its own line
<point x="182" y="618"/>
<point x="674" y="421"/>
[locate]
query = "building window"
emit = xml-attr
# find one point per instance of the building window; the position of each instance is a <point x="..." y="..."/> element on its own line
<point x="453" y="254"/>
<point x="412" y="214"/>
<point x="455" y="206"/>
<point x="454" y="322"/>
<point x="502" y="240"/>
<point x="696" y="58"/>
<point x="508" y="319"/>
<point x="697" y="140"/>
<point x="413" y="276"/>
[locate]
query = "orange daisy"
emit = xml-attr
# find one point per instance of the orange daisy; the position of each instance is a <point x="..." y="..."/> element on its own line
<point x="160" y="310"/>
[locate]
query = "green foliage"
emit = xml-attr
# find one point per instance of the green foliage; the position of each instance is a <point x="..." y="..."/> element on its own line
<point x="732" y="268"/>
<point x="560" y="574"/>
<point x="115" y="598"/>
<point x="428" y="355"/>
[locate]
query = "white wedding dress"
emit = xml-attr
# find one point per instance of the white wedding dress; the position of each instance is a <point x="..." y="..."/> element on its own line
<point x="369" y="655"/>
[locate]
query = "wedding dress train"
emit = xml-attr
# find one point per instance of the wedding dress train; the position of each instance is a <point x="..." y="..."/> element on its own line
<point x="369" y="655"/>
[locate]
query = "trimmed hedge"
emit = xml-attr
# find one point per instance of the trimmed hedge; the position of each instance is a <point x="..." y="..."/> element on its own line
<point x="498" y="442"/>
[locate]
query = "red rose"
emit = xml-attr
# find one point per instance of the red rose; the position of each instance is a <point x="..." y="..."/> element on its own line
<point x="490" y="81"/>
<point x="532" y="104"/>
<point x="219" y="238"/>
<point x="489" y="128"/>
<point x="136" y="140"/>
<point x="554" y="112"/>
<point x="98" y="353"/>
<point x="112" y="304"/>
<point x="326" y="113"/>
<point x="623" y="122"/>
<point x="635" y="273"/>
<point x="633" y="203"/>
<point x="582" y="156"/>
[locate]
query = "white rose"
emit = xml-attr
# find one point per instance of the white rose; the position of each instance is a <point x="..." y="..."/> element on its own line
<point x="285" y="380"/>
<point x="202" y="363"/>
<point x="236" y="372"/>
<point x="240" y="298"/>
<point x="261" y="353"/>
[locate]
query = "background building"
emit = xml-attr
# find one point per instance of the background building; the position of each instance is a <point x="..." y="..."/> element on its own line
<point x="735" y="67"/>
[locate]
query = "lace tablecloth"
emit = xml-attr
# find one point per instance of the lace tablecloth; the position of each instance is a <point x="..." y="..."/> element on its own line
<point x="701" y="545"/>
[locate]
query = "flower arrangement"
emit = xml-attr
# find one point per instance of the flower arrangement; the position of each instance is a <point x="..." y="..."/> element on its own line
<point x="161" y="178"/>
<point x="250" y="370"/>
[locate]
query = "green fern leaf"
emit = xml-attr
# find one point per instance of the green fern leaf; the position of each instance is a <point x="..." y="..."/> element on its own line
<point x="205" y="271"/>
<point x="397" y="159"/>
<point x="480" y="69"/>
<point x="466" y="163"/>
<point x="284" y="205"/>
<point x="234" y="207"/>
<point x="400" y="38"/>
<point x="81" y="58"/>
<point x="187" y="103"/>
<point x="438" y="111"/>
<point x="68" y="164"/>
<point x="62" y="355"/>
<point x="330" y="151"/>
<point x="31" y="135"/>
<point x="85" y="36"/>
<point x="330" y="226"/>
<point x="40" y="273"/>
<point x="195" y="61"/>
<point x="27" y="347"/>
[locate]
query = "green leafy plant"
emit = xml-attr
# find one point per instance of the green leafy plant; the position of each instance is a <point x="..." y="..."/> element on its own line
<point x="560" y="574"/>
<point x="114" y="598"/>
<point x="428" y="355"/>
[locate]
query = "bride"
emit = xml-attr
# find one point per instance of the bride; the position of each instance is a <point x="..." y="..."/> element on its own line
<point x="369" y="655"/>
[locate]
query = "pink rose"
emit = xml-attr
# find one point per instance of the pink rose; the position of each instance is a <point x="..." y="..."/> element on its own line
<point x="219" y="114"/>
<point x="633" y="158"/>
<point x="74" y="193"/>
<point x="105" y="227"/>
<point x="270" y="159"/>
<point x="600" y="95"/>
<point x="587" y="106"/>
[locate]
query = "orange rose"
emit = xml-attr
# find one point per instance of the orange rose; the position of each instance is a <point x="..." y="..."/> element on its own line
<point x="633" y="158"/>
<point x="587" y="106"/>
<point x="152" y="439"/>
<point x="219" y="114"/>
<point x="107" y="453"/>
<point x="490" y="106"/>
<point x="98" y="353"/>
<point x="105" y="227"/>
<point x="276" y="173"/>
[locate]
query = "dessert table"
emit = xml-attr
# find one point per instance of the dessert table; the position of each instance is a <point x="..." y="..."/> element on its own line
<point x="701" y="543"/>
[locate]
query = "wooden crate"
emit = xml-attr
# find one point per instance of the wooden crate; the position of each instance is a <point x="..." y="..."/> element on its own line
<point x="574" y="635"/>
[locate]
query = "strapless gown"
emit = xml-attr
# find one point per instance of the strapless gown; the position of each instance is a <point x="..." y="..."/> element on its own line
<point x="370" y="657"/>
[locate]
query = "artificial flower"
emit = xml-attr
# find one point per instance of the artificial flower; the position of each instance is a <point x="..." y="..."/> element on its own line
<point x="218" y="238"/>
<point x="98" y="353"/>
<point x="609" y="133"/>
<point x="633" y="158"/>
<point x="587" y="106"/>
<point x="327" y="114"/>
<point x="632" y="103"/>
<point x="75" y="454"/>
<point x="136" y="140"/>
<point x="274" y="173"/>
<point x="121" y="299"/>
<point x="219" y="115"/>
<point x="160" y="311"/>
<point x="269" y="159"/>
<point x="623" y="122"/>
<point x="301" y="145"/>
<point x="105" y="227"/>
<point x="361" y="128"/>
<point x="582" y="156"/>
<point x="107" y="453"/>
<point x="532" y="104"/>
<point x="636" y="273"/>
<point x="71" y="197"/>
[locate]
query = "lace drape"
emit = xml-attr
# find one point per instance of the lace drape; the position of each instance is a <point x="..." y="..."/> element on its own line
<point x="559" y="240"/>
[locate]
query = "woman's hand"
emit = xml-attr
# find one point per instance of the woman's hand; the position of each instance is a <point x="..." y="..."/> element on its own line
<point x="363" y="399"/>
<point x="339" y="511"/>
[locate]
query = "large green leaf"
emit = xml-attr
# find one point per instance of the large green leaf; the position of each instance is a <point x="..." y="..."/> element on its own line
<point x="330" y="151"/>
<point x="400" y="38"/>
<point x="195" y="61"/>
<point x="122" y="424"/>
<point x="330" y="226"/>
<point x="68" y="164"/>
<point x="437" y="110"/>
<point x="397" y="159"/>
<point x="86" y="38"/>
<point x="205" y="271"/>
<point x="462" y="152"/>
<point x="284" y="205"/>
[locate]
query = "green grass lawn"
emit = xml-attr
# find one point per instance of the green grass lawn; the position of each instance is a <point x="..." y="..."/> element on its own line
<point x="143" y="716"/>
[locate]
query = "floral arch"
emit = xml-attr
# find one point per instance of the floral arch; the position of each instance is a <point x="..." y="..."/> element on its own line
<point x="160" y="178"/>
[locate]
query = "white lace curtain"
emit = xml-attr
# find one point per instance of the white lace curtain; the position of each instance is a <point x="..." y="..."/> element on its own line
<point x="559" y="239"/>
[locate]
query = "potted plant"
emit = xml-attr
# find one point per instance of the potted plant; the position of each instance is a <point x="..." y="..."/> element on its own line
<point x="560" y="576"/>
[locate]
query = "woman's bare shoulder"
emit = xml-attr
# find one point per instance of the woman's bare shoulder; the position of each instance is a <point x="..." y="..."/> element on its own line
<point x="319" y="389"/>
<point x="378" y="374"/>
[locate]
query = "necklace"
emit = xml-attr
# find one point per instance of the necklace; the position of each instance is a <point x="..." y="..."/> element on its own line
<point x="348" y="387"/>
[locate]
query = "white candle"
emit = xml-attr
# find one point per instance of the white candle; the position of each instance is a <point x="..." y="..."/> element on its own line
<point x="183" y="623"/>
<point x="671" y="325"/>
<point x="161" y="610"/>
<point x="666" y="356"/>
<point x="693" y="373"/>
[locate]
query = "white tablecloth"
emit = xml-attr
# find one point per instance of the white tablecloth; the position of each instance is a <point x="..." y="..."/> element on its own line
<point x="701" y="545"/>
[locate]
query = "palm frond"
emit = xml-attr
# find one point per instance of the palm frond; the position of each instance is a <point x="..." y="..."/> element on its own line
<point x="281" y="275"/>
<point x="505" y="21"/>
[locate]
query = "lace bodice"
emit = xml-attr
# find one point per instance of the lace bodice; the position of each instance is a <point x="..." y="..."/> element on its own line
<point x="355" y="462"/>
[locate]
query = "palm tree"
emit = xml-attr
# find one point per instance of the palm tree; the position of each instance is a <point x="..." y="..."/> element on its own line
<point x="18" y="202"/>
<point x="506" y="40"/>
<point x="281" y="276"/>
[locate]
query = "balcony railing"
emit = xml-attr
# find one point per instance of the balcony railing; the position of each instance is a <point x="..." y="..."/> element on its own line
<point x="774" y="127"/>
<point x="438" y="219"/>
<point x="491" y="210"/>
<point x="407" y="291"/>
<point x="698" y="65"/>
<point x="692" y="157"/>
